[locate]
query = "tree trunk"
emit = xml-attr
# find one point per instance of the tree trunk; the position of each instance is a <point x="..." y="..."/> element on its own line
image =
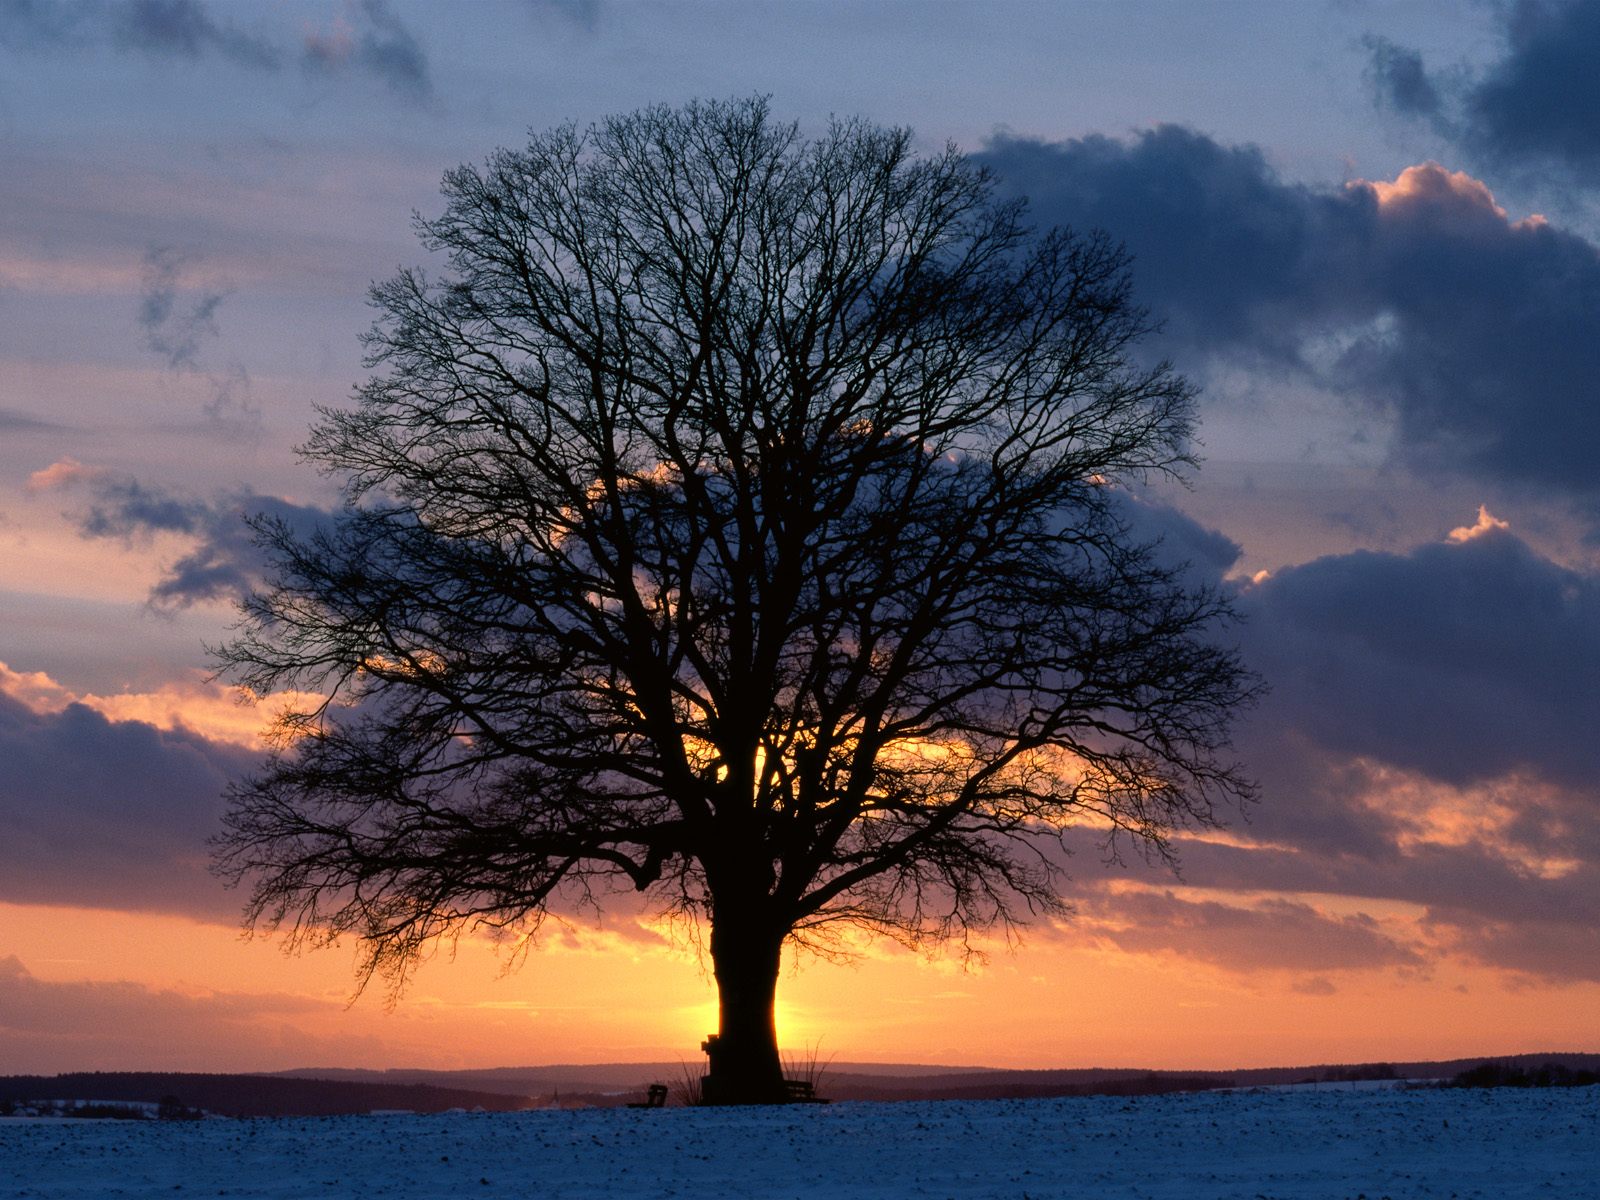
<point x="745" y="1068"/>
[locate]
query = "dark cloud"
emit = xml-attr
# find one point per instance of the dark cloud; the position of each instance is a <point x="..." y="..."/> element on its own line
<point x="584" y="13"/>
<point x="224" y="563"/>
<point x="24" y="422"/>
<point x="1536" y="106"/>
<point x="126" y="508"/>
<point x="1312" y="803"/>
<point x="1564" y="950"/>
<point x="371" y="41"/>
<point x="1427" y="741"/>
<point x="1459" y="674"/>
<point x="1462" y="661"/>
<point x="231" y="405"/>
<point x="163" y="29"/>
<point x="1419" y="300"/>
<point x="178" y="319"/>
<point x="110" y="814"/>
<point x="1542" y="99"/>
<point x="1479" y="899"/>
<point x="1178" y="539"/>
<point x="1475" y="884"/>
<point x="175" y="324"/>
<point x="1219" y="242"/>
<point x="1399" y="80"/>
<point x="1314" y="985"/>
<point x="185" y="28"/>
<point x="1267" y="935"/>
<point x="379" y="45"/>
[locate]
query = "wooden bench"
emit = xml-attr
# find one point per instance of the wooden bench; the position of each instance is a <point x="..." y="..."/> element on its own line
<point x="802" y="1091"/>
<point x="655" y="1096"/>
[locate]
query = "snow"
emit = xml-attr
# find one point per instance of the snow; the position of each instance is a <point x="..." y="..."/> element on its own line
<point x="1251" y="1145"/>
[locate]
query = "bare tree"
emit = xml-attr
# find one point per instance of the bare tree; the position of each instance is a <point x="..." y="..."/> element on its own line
<point x="735" y="522"/>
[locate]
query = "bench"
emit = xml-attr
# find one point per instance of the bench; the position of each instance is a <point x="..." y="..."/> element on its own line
<point x="802" y="1091"/>
<point x="655" y="1096"/>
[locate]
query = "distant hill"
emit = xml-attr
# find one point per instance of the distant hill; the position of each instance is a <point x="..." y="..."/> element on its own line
<point x="330" y="1091"/>
<point x="596" y="1077"/>
<point x="255" y="1095"/>
<point x="614" y="1083"/>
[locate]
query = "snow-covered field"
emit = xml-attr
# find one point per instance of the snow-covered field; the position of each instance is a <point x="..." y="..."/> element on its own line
<point x="1496" y="1145"/>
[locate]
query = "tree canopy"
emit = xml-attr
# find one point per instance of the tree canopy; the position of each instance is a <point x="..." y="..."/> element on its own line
<point x="734" y="519"/>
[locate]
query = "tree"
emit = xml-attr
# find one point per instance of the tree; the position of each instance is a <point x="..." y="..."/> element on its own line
<point x="735" y="521"/>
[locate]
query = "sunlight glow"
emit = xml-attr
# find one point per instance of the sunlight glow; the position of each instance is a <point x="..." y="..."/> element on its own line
<point x="1487" y="522"/>
<point x="1430" y="181"/>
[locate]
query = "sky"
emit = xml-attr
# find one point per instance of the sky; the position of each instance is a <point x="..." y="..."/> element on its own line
<point x="1371" y="232"/>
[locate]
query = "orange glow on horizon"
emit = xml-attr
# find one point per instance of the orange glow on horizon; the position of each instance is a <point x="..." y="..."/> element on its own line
<point x="604" y="996"/>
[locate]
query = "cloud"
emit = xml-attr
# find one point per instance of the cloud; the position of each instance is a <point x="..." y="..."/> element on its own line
<point x="174" y="326"/>
<point x="193" y="702"/>
<point x="1542" y="98"/>
<point x="1438" y="702"/>
<point x="1486" y="523"/>
<point x="376" y="43"/>
<point x="1419" y="300"/>
<point x="583" y="13"/>
<point x="111" y="814"/>
<point x="1465" y="660"/>
<point x="23" y="422"/>
<point x="1399" y="80"/>
<point x="64" y="472"/>
<point x="1474" y="900"/>
<point x="185" y="28"/>
<point x="1179" y="539"/>
<point x="1426" y="749"/>
<point x="162" y="29"/>
<point x="224" y="561"/>
<point x="109" y="801"/>
<point x="1314" y="985"/>
<point x="1426" y="743"/>
<point x="370" y="40"/>
<point x="1563" y="950"/>
<point x="178" y="320"/>
<point x="34" y="689"/>
<point x="1272" y="934"/>
<point x="126" y="508"/>
<point x="1215" y="235"/>
<point x="1535" y="106"/>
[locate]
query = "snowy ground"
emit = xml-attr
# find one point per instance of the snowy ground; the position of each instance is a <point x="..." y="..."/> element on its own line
<point x="1275" y="1145"/>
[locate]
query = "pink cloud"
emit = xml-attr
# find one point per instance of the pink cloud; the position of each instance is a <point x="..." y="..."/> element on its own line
<point x="62" y="473"/>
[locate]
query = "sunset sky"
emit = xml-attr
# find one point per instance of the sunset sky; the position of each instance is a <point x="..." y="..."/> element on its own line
<point x="1372" y="232"/>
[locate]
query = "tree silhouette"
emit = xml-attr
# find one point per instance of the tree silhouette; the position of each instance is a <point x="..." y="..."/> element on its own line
<point x="734" y="521"/>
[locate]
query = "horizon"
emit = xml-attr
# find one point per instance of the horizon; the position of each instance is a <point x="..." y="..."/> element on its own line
<point x="850" y="1065"/>
<point x="1371" y="236"/>
<point x="885" y="1071"/>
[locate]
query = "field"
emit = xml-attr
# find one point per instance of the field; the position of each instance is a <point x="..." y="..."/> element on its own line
<point x="1296" y="1143"/>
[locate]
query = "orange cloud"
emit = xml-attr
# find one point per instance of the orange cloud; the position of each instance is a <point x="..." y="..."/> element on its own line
<point x="1430" y="816"/>
<point x="34" y="689"/>
<point x="196" y="703"/>
<point x="1429" y="183"/>
<point x="1487" y="523"/>
<point x="62" y="473"/>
